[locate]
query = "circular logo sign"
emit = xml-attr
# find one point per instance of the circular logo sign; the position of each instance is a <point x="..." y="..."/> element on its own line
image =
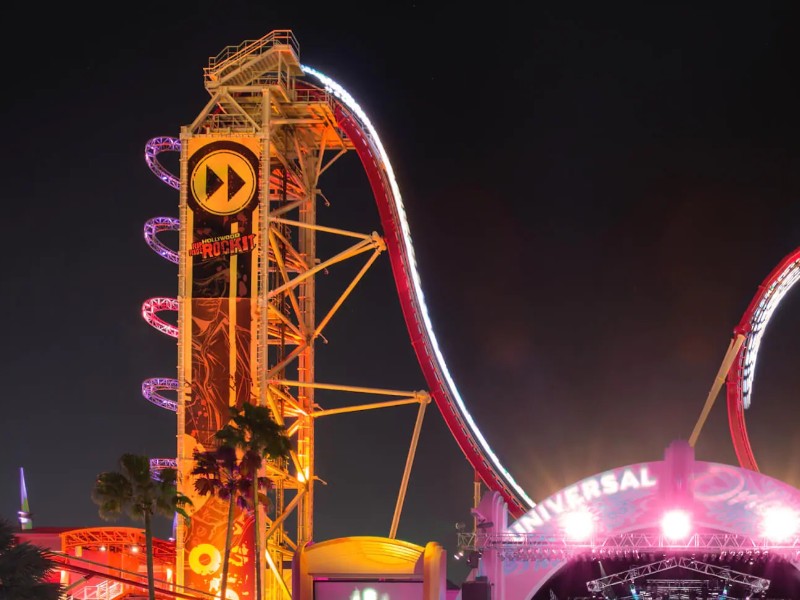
<point x="223" y="181"/>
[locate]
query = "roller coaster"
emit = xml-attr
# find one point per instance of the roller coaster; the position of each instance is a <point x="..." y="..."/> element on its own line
<point x="238" y="70"/>
<point x="352" y="120"/>
<point x="748" y="335"/>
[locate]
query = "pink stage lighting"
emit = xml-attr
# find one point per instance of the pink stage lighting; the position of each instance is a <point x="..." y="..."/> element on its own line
<point x="779" y="523"/>
<point x="676" y="524"/>
<point x="578" y="525"/>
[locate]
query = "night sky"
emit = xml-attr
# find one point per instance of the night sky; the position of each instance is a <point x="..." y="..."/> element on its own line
<point x="595" y="192"/>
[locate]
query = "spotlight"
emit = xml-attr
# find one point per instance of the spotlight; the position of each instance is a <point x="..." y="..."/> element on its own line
<point x="676" y="524"/>
<point x="472" y="558"/>
<point x="779" y="523"/>
<point x="578" y="525"/>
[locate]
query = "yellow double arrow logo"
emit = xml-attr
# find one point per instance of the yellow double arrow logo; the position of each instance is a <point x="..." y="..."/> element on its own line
<point x="223" y="182"/>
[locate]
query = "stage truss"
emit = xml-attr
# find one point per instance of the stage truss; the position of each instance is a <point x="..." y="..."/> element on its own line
<point x="714" y="546"/>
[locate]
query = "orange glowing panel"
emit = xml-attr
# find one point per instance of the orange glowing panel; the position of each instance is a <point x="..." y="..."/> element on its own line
<point x="221" y="233"/>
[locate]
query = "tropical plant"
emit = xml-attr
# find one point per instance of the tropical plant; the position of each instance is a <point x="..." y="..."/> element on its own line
<point x="25" y="569"/>
<point x="134" y="490"/>
<point x="253" y="431"/>
<point x="219" y="472"/>
<point x="230" y="471"/>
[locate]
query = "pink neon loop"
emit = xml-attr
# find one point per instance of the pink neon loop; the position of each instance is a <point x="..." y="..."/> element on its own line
<point x="151" y="388"/>
<point x="153" y="306"/>
<point x="151" y="151"/>
<point x="155" y="226"/>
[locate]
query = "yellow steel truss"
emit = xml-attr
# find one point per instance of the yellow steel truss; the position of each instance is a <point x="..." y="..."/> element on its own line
<point x="255" y="91"/>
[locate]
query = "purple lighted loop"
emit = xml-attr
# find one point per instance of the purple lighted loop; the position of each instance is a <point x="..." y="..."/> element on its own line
<point x="155" y="226"/>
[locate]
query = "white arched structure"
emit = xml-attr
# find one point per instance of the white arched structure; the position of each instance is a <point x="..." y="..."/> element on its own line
<point x="734" y="516"/>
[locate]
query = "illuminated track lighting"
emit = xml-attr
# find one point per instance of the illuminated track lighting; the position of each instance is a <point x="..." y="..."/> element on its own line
<point x="468" y="434"/>
<point x="754" y="322"/>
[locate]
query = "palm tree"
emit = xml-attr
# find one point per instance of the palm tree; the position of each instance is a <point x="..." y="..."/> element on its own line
<point x="141" y="496"/>
<point x="25" y="568"/>
<point x="253" y="431"/>
<point x="219" y="472"/>
<point x="230" y="472"/>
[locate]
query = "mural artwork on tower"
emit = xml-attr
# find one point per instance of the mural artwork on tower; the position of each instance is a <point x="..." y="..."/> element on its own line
<point x="218" y="338"/>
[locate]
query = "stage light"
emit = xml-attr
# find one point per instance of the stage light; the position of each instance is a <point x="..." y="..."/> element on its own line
<point x="676" y="524"/>
<point x="578" y="525"/>
<point x="473" y="558"/>
<point x="779" y="523"/>
<point x="135" y="549"/>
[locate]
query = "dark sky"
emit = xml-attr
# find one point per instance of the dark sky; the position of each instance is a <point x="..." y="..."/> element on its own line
<point x="595" y="192"/>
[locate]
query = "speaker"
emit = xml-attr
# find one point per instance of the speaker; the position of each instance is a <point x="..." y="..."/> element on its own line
<point x="476" y="590"/>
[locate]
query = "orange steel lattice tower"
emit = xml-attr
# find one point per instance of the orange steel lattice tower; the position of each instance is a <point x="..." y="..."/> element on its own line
<point x="248" y="319"/>
<point x="250" y="166"/>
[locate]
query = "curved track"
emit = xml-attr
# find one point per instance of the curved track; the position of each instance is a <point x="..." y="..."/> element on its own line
<point x="753" y="325"/>
<point x="354" y="122"/>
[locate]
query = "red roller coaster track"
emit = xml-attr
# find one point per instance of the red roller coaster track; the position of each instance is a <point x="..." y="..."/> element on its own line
<point x="355" y="124"/>
<point x="358" y="128"/>
<point x="752" y="326"/>
<point x="352" y="120"/>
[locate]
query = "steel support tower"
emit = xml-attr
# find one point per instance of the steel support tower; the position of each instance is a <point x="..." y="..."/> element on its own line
<point x="258" y="147"/>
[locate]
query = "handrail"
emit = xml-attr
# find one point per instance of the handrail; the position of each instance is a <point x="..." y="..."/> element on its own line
<point x="234" y="54"/>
